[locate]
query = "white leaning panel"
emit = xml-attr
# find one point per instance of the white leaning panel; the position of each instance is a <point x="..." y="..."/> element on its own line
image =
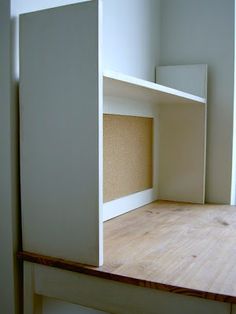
<point x="182" y="159"/>
<point x="187" y="78"/>
<point x="61" y="132"/>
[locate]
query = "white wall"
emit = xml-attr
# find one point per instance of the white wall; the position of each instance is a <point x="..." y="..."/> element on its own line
<point x="9" y="279"/>
<point x="202" y="31"/>
<point x="131" y="30"/>
<point x="233" y="181"/>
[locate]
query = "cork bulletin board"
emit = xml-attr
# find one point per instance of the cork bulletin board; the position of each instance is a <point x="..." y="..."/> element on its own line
<point x="128" y="155"/>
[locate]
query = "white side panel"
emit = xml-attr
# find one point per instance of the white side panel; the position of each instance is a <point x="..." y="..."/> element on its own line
<point x="127" y="203"/>
<point x="233" y="175"/>
<point x="187" y="78"/>
<point x="183" y="136"/>
<point x="129" y="106"/>
<point x="32" y="301"/>
<point x="9" y="221"/>
<point x="118" y="298"/>
<point x="182" y="153"/>
<point x="53" y="306"/>
<point x="131" y="36"/>
<point x="61" y="121"/>
<point x="233" y="310"/>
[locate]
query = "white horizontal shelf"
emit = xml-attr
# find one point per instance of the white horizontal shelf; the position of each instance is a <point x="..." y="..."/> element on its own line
<point x="125" y="86"/>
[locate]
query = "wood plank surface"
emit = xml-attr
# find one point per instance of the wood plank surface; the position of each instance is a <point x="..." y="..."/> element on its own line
<point x="182" y="248"/>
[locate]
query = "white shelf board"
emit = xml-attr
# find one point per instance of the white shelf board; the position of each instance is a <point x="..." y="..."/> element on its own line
<point x="125" y="86"/>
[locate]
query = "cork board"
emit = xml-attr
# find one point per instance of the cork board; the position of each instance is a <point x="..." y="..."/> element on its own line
<point x="128" y="155"/>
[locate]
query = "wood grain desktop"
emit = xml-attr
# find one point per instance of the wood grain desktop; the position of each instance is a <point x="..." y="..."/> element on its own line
<point x="183" y="248"/>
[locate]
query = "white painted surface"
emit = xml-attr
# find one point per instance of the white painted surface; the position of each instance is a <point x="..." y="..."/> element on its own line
<point x="9" y="239"/>
<point x="233" y="309"/>
<point x="24" y="6"/>
<point x="129" y="106"/>
<point x="203" y="32"/>
<point x="233" y="179"/>
<point x="126" y="86"/>
<point x="61" y="118"/>
<point x="220" y="138"/>
<point x="127" y="203"/>
<point x="183" y="136"/>
<point x="187" y="78"/>
<point x="131" y="37"/>
<point x="182" y="153"/>
<point x="32" y="301"/>
<point x="118" y="298"/>
<point x="138" y="59"/>
<point x="53" y="306"/>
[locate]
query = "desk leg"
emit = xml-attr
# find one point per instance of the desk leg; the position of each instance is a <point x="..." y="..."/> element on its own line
<point x="32" y="301"/>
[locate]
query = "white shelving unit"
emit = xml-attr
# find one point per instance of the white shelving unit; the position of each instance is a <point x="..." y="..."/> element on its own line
<point x="126" y="95"/>
<point x="64" y="94"/>
<point x="125" y="86"/>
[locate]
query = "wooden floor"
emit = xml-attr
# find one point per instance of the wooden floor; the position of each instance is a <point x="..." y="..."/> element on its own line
<point x="183" y="248"/>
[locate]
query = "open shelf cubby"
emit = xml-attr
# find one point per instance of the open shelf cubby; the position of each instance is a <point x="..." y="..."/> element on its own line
<point x="81" y="125"/>
<point x="176" y="144"/>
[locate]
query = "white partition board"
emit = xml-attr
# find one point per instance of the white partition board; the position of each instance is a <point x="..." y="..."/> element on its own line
<point x="125" y="86"/>
<point x="117" y="297"/>
<point x="187" y="78"/>
<point x="182" y="160"/>
<point x="61" y="132"/>
<point x="182" y="153"/>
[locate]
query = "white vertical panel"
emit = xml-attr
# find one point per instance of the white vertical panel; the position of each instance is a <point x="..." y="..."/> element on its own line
<point x="53" y="306"/>
<point x="9" y="238"/>
<point x="187" y="78"/>
<point x="61" y="116"/>
<point x="118" y="298"/>
<point x="182" y="152"/>
<point x="32" y="302"/>
<point x="183" y="136"/>
<point x="233" y="176"/>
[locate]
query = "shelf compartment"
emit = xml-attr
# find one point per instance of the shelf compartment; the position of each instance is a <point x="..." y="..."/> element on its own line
<point x="125" y="86"/>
